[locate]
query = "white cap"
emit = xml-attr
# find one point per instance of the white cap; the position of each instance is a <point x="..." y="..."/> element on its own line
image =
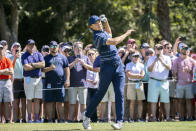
<point x="66" y="47"/>
<point x="14" y="44"/>
<point x="181" y="45"/>
<point x="121" y="49"/>
<point x="1" y="46"/>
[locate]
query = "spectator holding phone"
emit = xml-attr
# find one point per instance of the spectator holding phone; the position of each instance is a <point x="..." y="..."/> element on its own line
<point x="18" y="84"/>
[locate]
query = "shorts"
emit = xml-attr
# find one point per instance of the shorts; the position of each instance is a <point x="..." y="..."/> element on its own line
<point x="135" y="94"/>
<point x="109" y="95"/>
<point x="80" y="92"/>
<point x="172" y="88"/>
<point x="54" y="93"/>
<point x="158" y="88"/>
<point x="33" y="87"/>
<point x="18" y="89"/>
<point x="6" y="92"/>
<point x="184" y="91"/>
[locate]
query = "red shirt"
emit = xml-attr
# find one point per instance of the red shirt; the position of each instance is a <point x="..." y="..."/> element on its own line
<point x="5" y="63"/>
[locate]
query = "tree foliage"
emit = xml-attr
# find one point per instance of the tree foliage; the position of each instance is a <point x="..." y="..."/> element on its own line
<point x="67" y="20"/>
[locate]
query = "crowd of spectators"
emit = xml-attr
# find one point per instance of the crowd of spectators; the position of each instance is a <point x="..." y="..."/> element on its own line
<point x="56" y="83"/>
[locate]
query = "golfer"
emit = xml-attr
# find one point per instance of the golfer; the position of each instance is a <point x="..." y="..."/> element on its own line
<point x="111" y="69"/>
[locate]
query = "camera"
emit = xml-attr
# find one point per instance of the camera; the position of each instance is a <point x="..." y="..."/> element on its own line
<point x="182" y="38"/>
<point x="17" y="50"/>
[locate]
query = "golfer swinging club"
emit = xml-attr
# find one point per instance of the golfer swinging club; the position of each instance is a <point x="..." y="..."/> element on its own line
<point x="112" y="69"/>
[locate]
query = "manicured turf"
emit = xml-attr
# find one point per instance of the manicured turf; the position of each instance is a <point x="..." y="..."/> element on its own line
<point x="150" y="126"/>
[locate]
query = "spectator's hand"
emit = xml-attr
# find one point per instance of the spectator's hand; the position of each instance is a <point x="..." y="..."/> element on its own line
<point x="186" y="69"/>
<point x="17" y="55"/>
<point x="81" y="61"/>
<point x="52" y="67"/>
<point x="177" y="41"/>
<point x="67" y="84"/>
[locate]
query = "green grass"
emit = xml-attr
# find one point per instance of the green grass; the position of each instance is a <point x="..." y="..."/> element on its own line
<point x="150" y="126"/>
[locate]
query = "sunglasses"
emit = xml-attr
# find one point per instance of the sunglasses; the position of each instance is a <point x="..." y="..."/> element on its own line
<point x="159" y="48"/>
<point x="91" y="54"/>
<point x="169" y="48"/>
<point x="185" y="48"/>
<point x="53" y="46"/>
<point x="136" y="56"/>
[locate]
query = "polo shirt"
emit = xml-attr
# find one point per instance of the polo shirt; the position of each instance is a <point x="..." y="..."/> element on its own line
<point x="78" y="72"/>
<point x="107" y="53"/>
<point x="28" y="58"/>
<point x="18" y="68"/>
<point x="179" y="66"/>
<point x="4" y="64"/>
<point x="159" y="71"/>
<point x="96" y="62"/>
<point x="57" y="75"/>
<point x="135" y="68"/>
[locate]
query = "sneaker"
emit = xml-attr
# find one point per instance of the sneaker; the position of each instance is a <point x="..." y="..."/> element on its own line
<point x="86" y="122"/>
<point x="37" y="121"/>
<point x="17" y="121"/>
<point x="131" y="120"/>
<point x="190" y="119"/>
<point x="61" y="121"/>
<point x="181" y="119"/>
<point x="24" y="121"/>
<point x="117" y="126"/>
<point x="7" y="121"/>
<point x="30" y="121"/>
<point x="140" y="120"/>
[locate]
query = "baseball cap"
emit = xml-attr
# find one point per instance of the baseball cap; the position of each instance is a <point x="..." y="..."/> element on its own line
<point x="15" y="44"/>
<point x="136" y="54"/>
<point x="45" y="48"/>
<point x="30" y="41"/>
<point x="181" y="45"/>
<point x="93" y="19"/>
<point x="131" y="41"/>
<point x="121" y="49"/>
<point x="2" y="42"/>
<point x="67" y="46"/>
<point x="144" y="45"/>
<point x="53" y="43"/>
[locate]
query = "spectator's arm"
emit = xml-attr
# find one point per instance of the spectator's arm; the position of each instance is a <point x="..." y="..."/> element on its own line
<point x="38" y="64"/>
<point x="119" y="39"/>
<point x="150" y="68"/>
<point x="96" y="69"/>
<point x="124" y="57"/>
<point x="50" y="68"/>
<point x="175" y="48"/>
<point x="28" y="67"/>
<point x="134" y="76"/>
<point x="67" y="73"/>
<point x="71" y="65"/>
<point x="167" y="66"/>
<point x="7" y="71"/>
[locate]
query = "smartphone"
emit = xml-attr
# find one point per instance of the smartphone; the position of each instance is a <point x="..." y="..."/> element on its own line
<point x="78" y="56"/>
<point x="182" y="38"/>
<point x="17" y="51"/>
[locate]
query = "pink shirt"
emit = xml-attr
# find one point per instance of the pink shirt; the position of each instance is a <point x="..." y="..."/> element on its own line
<point x="179" y="66"/>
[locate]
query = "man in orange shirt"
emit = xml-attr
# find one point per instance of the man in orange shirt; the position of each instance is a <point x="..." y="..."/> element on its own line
<point x="6" y="93"/>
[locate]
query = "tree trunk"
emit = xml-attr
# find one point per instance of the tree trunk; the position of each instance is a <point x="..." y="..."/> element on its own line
<point x="9" y="32"/>
<point x="164" y="21"/>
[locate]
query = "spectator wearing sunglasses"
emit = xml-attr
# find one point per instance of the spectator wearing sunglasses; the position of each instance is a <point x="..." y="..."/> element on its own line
<point x="183" y="70"/>
<point x="159" y="66"/>
<point x="135" y="91"/>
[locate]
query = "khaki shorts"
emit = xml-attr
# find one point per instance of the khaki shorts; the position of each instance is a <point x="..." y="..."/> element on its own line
<point x="135" y="94"/>
<point x="33" y="88"/>
<point x="6" y="91"/>
<point x="184" y="91"/>
<point x="110" y="95"/>
<point x="81" y="92"/>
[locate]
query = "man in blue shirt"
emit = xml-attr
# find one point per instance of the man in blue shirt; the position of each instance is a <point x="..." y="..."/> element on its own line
<point x="57" y="76"/>
<point x="112" y="69"/>
<point x="32" y="62"/>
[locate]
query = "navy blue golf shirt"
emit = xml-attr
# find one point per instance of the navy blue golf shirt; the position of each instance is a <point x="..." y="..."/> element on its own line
<point x="57" y="75"/>
<point x="27" y="58"/>
<point x="107" y="52"/>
